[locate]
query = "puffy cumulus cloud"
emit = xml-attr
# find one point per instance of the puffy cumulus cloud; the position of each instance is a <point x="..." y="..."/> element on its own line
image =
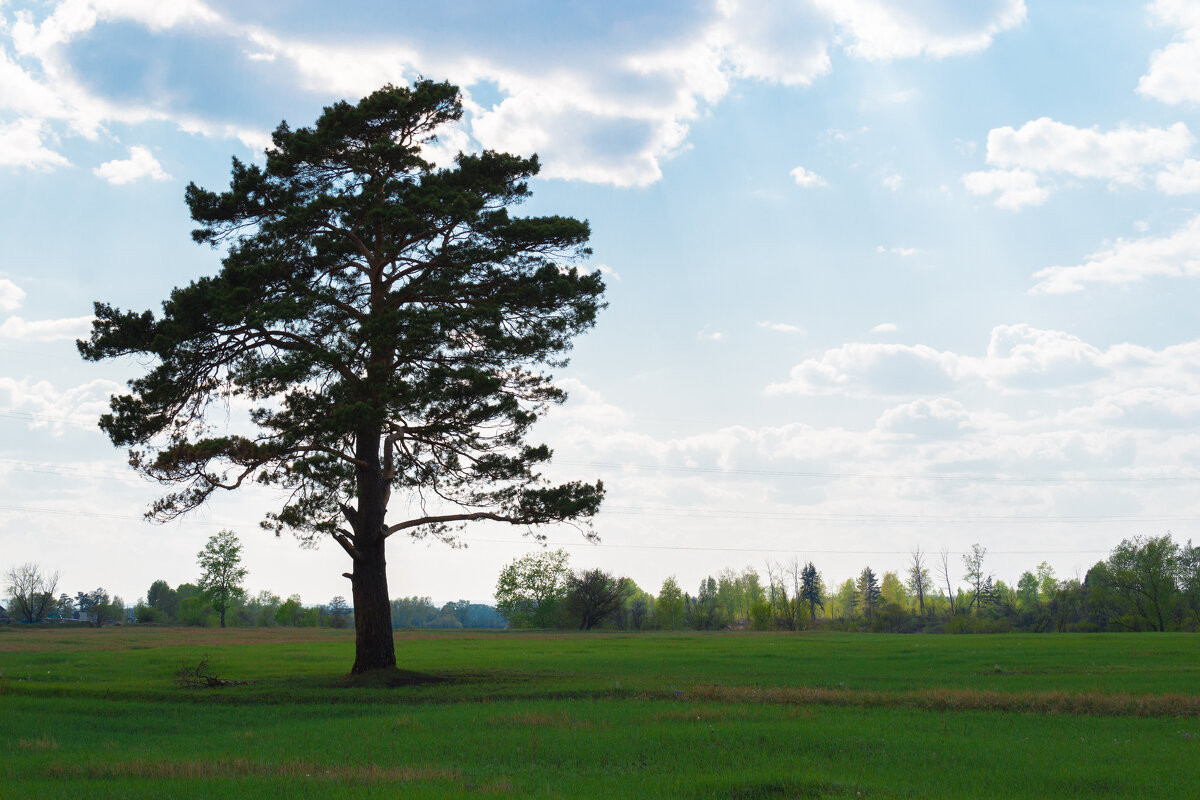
<point x="1121" y="155"/>
<point x="45" y="330"/>
<point x="1024" y="357"/>
<point x="78" y="406"/>
<point x="1128" y="261"/>
<point x="40" y="85"/>
<point x="586" y="406"/>
<point x="70" y="18"/>
<point x="22" y="145"/>
<point x="1146" y="407"/>
<point x="607" y="101"/>
<point x="882" y="31"/>
<point x="1014" y="188"/>
<point x="782" y="42"/>
<point x="1019" y="359"/>
<point x="1182" y="178"/>
<point x="11" y="295"/>
<point x="938" y="416"/>
<point x="873" y="369"/>
<point x="927" y="461"/>
<point x="1125" y="156"/>
<point x="807" y="178"/>
<point x="1171" y="76"/>
<point x="140" y="164"/>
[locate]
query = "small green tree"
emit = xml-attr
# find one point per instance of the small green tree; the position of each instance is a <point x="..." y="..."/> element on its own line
<point x="222" y="572"/>
<point x="530" y="590"/>
<point x="1144" y="570"/>
<point x="1027" y="591"/>
<point x="162" y="597"/>
<point x="869" y="593"/>
<point x="811" y="590"/>
<point x="592" y="596"/>
<point x="669" y="606"/>
<point x="975" y="576"/>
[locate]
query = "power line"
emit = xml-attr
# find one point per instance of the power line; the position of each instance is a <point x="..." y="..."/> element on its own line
<point x="89" y="422"/>
<point x="65" y="469"/>
<point x="879" y="476"/>
<point x="790" y="550"/>
<point x="891" y="518"/>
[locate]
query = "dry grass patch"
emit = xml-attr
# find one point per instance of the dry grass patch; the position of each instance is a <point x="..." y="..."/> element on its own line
<point x="543" y="719"/>
<point x="1099" y="703"/>
<point x="243" y="768"/>
<point x="34" y="640"/>
<point x="44" y="742"/>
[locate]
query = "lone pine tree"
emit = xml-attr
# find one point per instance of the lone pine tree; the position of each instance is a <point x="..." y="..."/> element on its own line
<point x="389" y="321"/>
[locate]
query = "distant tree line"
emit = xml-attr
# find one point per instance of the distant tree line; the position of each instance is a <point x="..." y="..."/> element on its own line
<point x="216" y="599"/>
<point x="1147" y="583"/>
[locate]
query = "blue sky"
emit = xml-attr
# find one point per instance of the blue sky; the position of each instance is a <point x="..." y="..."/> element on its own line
<point x="881" y="274"/>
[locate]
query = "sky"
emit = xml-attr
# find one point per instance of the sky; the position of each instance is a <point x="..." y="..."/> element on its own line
<point x="882" y="274"/>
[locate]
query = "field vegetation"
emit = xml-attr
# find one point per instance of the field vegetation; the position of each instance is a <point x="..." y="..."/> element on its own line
<point x="102" y="713"/>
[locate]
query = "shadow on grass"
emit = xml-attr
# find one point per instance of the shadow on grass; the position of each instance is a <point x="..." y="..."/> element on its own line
<point x="394" y="679"/>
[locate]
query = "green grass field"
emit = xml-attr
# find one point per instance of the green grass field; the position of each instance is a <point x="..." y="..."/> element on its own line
<point x="98" y="714"/>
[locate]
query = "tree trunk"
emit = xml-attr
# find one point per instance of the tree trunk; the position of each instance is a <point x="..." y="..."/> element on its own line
<point x="222" y="616"/>
<point x="373" y="645"/>
<point x="374" y="648"/>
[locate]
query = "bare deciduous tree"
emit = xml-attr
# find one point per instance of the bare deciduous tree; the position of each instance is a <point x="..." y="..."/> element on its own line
<point x="32" y="591"/>
<point x="918" y="578"/>
<point x="945" y="553"/>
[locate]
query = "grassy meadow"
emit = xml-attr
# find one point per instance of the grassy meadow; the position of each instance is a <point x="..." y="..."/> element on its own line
<point x="99" y="714"/>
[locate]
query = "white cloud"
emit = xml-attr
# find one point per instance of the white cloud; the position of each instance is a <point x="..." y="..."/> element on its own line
<point x="612" y="112"/>
<point x="11" y="295"/>
<point x="1171" y="76"/>
<point x="892" y="182"/>
<point x="21" y="145"/>
<point x="769" y="41"/>
<point x="1128" y="261"/>
<point x="884" y="31"/>
<point x="1019" y="359"/>
<point x="1121" y="155"/>
<point x="78" y="406"/>
<point x="1182" y="178"/>
<point x="708" y="335"/>
<point x="140" y="164"/>
<point x="897" y="250"/>
<point x="608" y="271"/>
<point x="882" y="369"/>
<point x="781" y="327"/>
<point x="939" y="416"/>
<point x="1015" y="188"/>
<point x="885" y="327"/>
<point x="806" y="178"/>
<point x="46" y="330"/>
